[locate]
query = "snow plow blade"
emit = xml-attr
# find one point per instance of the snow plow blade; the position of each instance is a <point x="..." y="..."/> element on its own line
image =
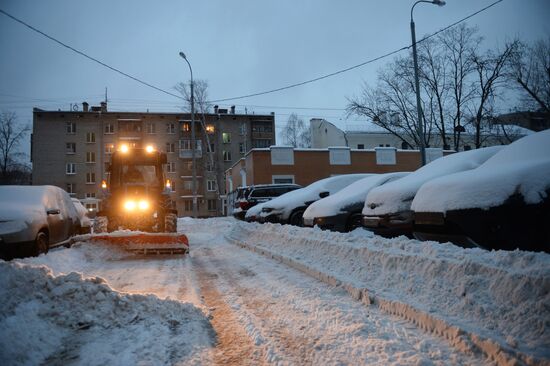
<point x="146" y="243"/>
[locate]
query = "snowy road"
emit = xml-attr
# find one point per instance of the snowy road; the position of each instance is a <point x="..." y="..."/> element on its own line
<point x="251" y="309"/>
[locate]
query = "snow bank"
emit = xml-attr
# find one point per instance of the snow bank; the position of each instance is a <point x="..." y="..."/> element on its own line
<point x="501" y="296"/>
<point x="397" y="196"/>
<point x="67" y="319"/>
<point x="522" y="167"/>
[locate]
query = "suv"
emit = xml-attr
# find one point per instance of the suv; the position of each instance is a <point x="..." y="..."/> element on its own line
<point x="250" y="196"/>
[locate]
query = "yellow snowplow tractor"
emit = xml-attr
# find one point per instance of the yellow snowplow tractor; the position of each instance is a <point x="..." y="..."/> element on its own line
<point x="137" y="194"/>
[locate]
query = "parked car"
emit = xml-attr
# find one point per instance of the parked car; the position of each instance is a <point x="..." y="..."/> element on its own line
<point x="239" y="194"/>
<point x="502" y="204"/>
<point x="387" y="209"/>
<point x="35" y="218"/>
<point x="289" y="208"/>
<point x="85" y="222"/>
<point x="342" y="211"/>
<point x="253" y="213"/>
<point x="253" y="195"/>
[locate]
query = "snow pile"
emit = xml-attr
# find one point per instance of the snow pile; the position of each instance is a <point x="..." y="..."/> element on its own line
<point x="67" y="319"/>
<point x="522" y="167"/>
<point x="397" y="196"/>
<point x="502" y="296"/>
<point x="353" y="194"/>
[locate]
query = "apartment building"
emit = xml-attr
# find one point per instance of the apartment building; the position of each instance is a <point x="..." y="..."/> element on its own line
<point x="71" y="149"/>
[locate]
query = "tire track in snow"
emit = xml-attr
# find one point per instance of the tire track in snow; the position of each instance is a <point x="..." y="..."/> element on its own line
<point x="233" y="346"/>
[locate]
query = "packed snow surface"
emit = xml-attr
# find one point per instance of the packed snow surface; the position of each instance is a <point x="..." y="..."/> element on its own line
<point x="287" y="202"/>
<point x="397" y="196"/>
<point x="501" y="295"/>
<point x="93" y="305"/>
<point x="353" y="194"/>
<point x="522" y="167"/>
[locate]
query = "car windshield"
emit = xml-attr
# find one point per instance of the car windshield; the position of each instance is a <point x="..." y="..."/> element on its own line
<point x="140" y="174"/>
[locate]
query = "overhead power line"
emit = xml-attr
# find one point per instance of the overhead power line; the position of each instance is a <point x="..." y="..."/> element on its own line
<point x="358" y="65"/>
<point x="89" y="57"/>
<point x="258" y="93"/>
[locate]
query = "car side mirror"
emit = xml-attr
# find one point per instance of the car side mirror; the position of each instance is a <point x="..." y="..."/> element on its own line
<point x="324" y="194"/>
<point x="53" y="211"/>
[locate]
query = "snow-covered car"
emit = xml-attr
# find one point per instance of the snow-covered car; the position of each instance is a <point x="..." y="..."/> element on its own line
<point x="387" y="209"/>
<point x="342" y="211"/>
<point x="85" y="222"/>
<point x="289" y="208"/>
<point x="253" y="195"/>
<point x="502" y="204"/>
<point x="253" y="213"/>
<point x="35" y="218"/>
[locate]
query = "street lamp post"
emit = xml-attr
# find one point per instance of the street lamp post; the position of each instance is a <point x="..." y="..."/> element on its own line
<point x="193" y="143"/>
<point x="419" y="127"/>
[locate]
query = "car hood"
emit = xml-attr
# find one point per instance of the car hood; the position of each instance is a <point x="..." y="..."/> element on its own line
<point x="350" y="198"/>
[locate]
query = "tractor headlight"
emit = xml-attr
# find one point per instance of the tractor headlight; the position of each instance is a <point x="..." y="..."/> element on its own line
<point x="130" y="205"/>
<point x="143" y="205"/>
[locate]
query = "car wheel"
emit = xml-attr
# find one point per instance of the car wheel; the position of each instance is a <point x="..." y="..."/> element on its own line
<point x="296" y="218"/>
<point x="41" y="244"/>
<point x="354" y="222"/>
<point x="171" y="223"/>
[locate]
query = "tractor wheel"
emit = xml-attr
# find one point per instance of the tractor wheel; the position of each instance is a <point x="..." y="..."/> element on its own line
<point x="41" y="244"/>
<point x="100" y="224"/>
<point x="170" y="223"/>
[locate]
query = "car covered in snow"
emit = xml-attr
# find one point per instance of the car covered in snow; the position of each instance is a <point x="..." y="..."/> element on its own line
<point x="255" y="194"/>
<point x="387" y="209"/>
<point x="342" y="211"/>
<point x="502" y="204"/>
<point x="85" y="222"/>
<point x="289" y="208"/>
<point x="35" y="218"/>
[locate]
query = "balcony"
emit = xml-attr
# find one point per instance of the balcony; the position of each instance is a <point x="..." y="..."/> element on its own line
<point x="188" y="153"/>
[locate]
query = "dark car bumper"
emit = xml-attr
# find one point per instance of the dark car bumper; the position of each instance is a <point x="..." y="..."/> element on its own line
<point x="333" y="223"/>
<point x="513" y="225"/>
<point x="16" y="250"/>
<point x="391" y="225"/>
<point x="272" y="219"/>
<point x="240" y="215"/>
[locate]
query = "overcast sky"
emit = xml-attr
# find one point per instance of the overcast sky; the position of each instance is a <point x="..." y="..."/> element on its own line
<point x="239" y="47"/>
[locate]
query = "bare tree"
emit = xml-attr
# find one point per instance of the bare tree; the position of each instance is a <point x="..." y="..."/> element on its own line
<point x="295" y="133"/>
<point x="531" y="71"/>
<point x="202" y="107"/>
<point x="391" y="104"/>
<point x="459" y="43"/>
<point x="490" y="71"/>
<point x="11" y="135"/>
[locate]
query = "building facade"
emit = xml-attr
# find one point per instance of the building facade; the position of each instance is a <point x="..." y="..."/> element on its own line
<point x="71" y="149"/>
<point x="325" y="134"/>
<point x="280" y="164"/>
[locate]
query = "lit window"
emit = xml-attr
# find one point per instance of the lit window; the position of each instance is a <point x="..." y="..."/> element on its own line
<point x="226" y="137"/>
<point x="186" y="127"/>
<point x="109" y="148"/>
